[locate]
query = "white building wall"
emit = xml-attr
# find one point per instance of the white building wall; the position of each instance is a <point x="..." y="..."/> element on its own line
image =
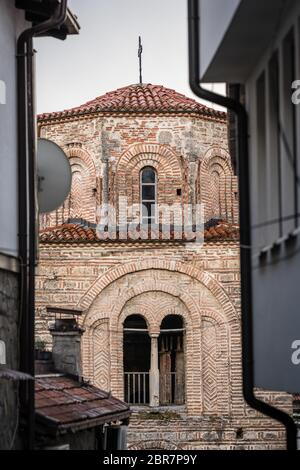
<point x="11" y="24"/>
<point x="213" y="26"/>
<point x="276" y="294"/>
<point x="266" y="199"/>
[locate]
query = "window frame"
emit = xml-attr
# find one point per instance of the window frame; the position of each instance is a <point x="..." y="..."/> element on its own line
<point x="152" y="201"/>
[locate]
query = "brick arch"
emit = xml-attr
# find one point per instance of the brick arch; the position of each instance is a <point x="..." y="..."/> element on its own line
<point x="76" y="151"/>
<point x="216" y="185"/>
<point x="170" y="310"/>
<point x="164" y="153"/>
<point x="191" y="314"/>
<point x="203" y="277"/>
<point x="81" y="201"/>
<point x="155" y="445"/>
<point x="192" y="321"/>
<point x="144" y="311"/>
<point x="153" y="317"/>
<point x="169" y="167"/>
<point x="218" y="153"/>
<point x="117" y="315"/>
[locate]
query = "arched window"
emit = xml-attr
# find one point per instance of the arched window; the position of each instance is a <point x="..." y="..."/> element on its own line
<point x="148" y="192"/>
<point x="154" y="367"/>
<point x="171" y="361"/>
<point x="137" y="349"/>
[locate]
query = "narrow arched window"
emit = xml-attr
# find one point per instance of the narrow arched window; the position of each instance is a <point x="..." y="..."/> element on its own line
<point x="148" y="191"/>
<point x="171" y="361"/>
<point x="136" y="360"/>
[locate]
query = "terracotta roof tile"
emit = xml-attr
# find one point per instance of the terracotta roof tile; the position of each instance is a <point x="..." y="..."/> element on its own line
<point x="139" y="98"/>
<point x="64" y="402"/>
<point x="215" y="230"/>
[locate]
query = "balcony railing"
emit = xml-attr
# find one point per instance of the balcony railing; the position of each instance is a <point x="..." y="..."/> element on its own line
<point x="136" y="387"/>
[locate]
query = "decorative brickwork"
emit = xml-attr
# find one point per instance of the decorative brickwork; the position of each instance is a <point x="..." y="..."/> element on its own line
<point x="217" y="186"/>
<point x="108" y="142"/>
<point x="170" y="170"/>
<point x="81" y="202"/>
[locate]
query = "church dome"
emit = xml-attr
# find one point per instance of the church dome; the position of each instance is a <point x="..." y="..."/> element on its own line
<point x="144" y="98"/>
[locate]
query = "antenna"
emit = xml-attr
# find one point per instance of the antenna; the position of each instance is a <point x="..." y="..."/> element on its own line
<point x="54" y="175"/>
<point x="140" y="50"/>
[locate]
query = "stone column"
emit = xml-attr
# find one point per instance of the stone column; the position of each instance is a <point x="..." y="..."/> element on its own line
<point x="154" y="371"/>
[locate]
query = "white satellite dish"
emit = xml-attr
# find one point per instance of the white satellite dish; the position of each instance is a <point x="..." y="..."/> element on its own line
<point x="54" y="175"/>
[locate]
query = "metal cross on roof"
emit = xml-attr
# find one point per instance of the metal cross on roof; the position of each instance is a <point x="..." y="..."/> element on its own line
<point x="140" y="50"/>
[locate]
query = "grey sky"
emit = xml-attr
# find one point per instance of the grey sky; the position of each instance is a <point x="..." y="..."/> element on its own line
<point x="103" y="56"/>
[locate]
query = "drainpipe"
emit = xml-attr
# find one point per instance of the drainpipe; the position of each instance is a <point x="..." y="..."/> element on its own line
<point x="27" y="206"/>
<point x="245" y="235"/>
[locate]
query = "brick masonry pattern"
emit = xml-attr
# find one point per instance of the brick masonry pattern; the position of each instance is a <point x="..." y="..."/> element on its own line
<point x="112" y="281"/>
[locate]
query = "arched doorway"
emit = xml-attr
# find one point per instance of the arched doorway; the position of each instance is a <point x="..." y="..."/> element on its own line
<point x="171" y="361"/>
<point x="136" y="358"/>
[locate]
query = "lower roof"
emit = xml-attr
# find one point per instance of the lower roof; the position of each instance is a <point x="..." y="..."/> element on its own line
<point x="215" y="230"/>
<point x="64" y="403"/>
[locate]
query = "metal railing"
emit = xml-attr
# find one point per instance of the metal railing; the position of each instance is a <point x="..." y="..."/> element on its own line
<point x="136" y="387"/>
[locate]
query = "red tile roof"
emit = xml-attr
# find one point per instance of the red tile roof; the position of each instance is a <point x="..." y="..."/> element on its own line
<point x="62" y="402"/>
<point x="139" y="98"/>
<point x="79" y="233"/>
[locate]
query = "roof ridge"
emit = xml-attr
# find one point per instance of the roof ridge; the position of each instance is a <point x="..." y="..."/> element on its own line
<point x="139" y="97"/>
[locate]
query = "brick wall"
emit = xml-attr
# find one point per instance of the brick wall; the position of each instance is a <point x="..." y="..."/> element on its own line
<point x="111" y="280"/>
<point x="107" y="154"/>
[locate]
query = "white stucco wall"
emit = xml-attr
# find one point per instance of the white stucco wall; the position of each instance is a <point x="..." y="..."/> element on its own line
<point x="11" y="23"/>
<point x="215" y="17"/>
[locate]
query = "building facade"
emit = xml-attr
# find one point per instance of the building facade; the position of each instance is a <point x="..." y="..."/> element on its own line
<point x="262" y="67"/>
<point x="161" y="313"/>
<point x="16" y="17"/>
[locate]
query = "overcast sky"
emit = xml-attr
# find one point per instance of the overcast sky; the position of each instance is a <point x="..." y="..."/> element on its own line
<point x="103" y="56"/>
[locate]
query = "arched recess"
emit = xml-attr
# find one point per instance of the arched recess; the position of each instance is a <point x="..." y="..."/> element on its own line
<point x="189" y="311"/>
<point x="82" y="200"/>
<point x="171" y="185"/>
<point x="216" y="340"/>
<point x="174" y="300"/>
<point x="216" y="186"/>
<point x="121" y="270"/>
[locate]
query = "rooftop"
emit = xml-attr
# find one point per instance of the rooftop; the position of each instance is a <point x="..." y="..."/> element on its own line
<point x="214" y="230"/>
<point x="138" y="98"/>
<point x="63" y="403"/>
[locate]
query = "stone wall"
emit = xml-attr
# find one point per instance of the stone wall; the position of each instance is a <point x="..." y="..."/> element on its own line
<point x="9" y="333"/>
